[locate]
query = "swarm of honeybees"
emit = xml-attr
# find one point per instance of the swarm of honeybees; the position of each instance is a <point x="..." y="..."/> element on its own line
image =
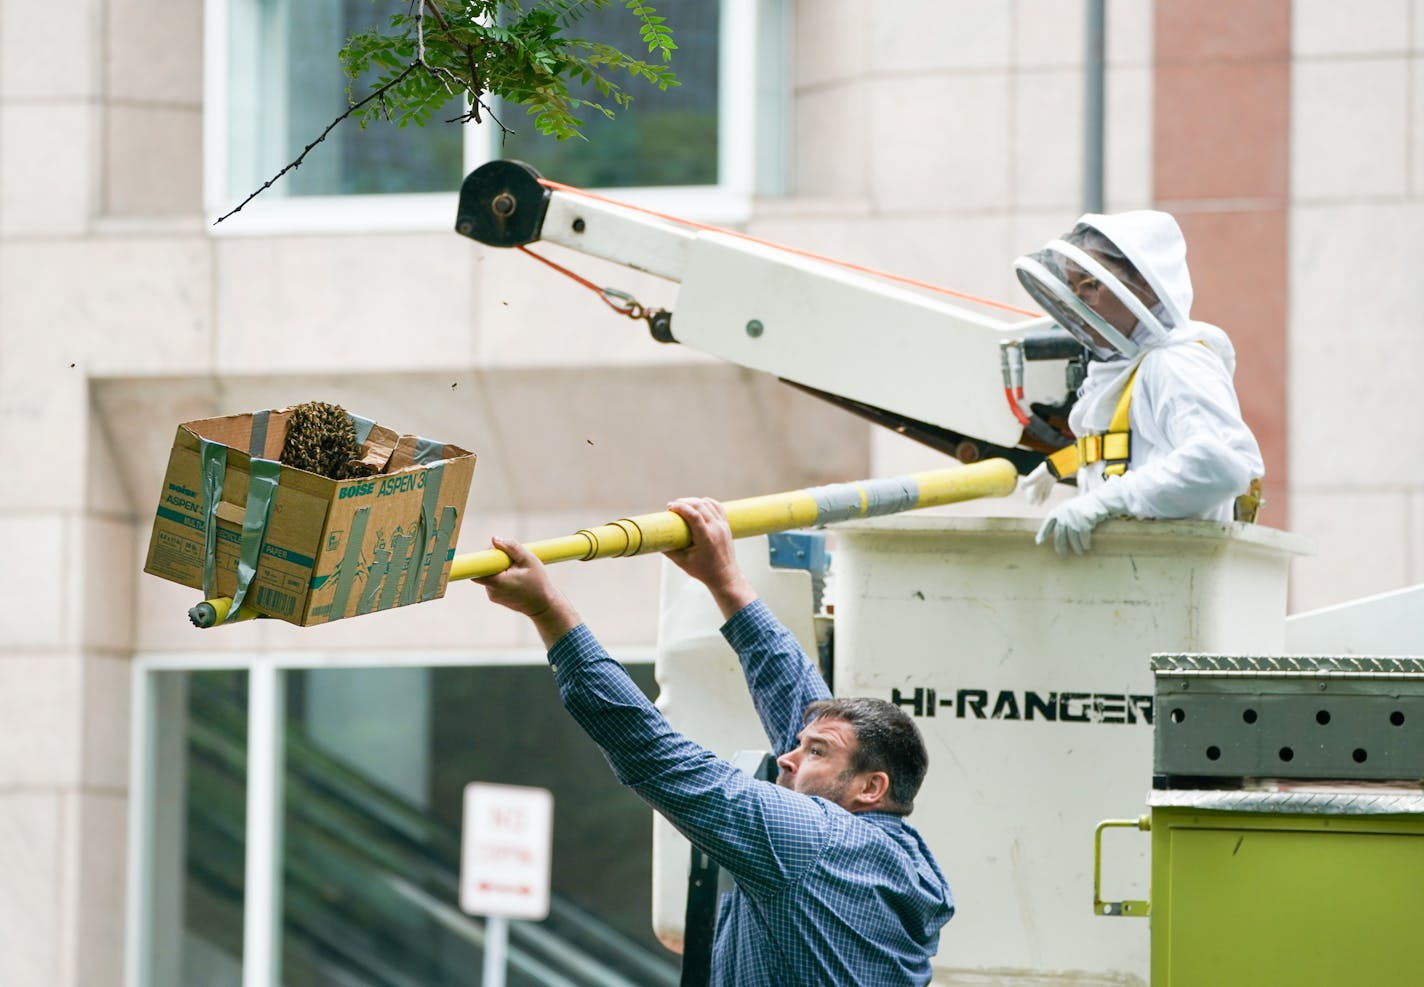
<point x="321" y="438"/>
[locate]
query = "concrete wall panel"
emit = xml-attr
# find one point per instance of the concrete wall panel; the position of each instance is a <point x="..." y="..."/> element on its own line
<point x="944" y="149"/>
<point x="105" y="583"/>
<point x="30" y="920"/>
<point x="342" y="304"/>
<point x="136" y="140"/>
<point x="101" y="832"/>
<point x="1128" y="157"/>
<point x="38" y="610"/>
<point x="49" y="52"/>
<point x="832" y="43"/>
<point x="41" y="705"/>
<point x="830" y="152"/>
<point x="1049" y="34"/>
<point x="106" y="726"/>
<point x="1361" y="540"/>
<point x="1351" y="133"/>
<point x="1047" y="158"/>
<point x="108" y="307"/>
<point x="1356" y="346"/>
<point x="154" y="52"/>
<point x="1323" y="27"/>
<point x="940" y="35"/>
<point x="47" y="181"/>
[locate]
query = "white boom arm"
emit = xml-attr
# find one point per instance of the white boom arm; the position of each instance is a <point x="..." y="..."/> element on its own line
<point x="917" y="354"/>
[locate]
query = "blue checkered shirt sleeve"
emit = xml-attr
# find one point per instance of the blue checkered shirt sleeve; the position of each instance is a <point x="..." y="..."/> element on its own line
<point x="781" y="678"/>
<point x="763" y="835"/>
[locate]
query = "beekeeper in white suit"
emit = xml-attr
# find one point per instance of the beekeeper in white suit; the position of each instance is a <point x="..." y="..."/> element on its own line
<point x="1158" y="427"/>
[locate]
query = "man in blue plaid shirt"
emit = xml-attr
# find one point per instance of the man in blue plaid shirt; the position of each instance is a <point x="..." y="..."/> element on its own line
<point x="833" y="886"/>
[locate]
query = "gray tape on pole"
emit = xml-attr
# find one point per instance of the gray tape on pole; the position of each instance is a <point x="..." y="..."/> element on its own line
<point x="257" y="441"/>
<point x="870" y="498"/>
<point x="261" y="491"/>
<point x="213" y="456"/>
<point x="890" y="495"/>
<point x="836" y="502"/>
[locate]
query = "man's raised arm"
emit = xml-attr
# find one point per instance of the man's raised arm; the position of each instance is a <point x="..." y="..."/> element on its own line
<point x="781" y="678"/>
<point x="762" y="834"/>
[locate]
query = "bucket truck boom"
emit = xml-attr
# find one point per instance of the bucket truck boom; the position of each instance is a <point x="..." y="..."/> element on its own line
<point x="925" y="363"/>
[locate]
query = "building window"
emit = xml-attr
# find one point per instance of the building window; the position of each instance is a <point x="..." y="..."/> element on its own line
<point x="357" y="824"/>
<point x="274" y="83"/>
<point x="663" y="138"/>
<point x="289" y="55"/>
<point x="198" y="811"/>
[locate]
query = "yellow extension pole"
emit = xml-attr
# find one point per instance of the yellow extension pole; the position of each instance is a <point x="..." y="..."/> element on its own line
<point x="664" y="531"/>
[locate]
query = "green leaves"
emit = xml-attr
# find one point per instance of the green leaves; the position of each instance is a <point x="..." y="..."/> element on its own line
<point x="654" y="33"/>
<point x="521" y="52"/>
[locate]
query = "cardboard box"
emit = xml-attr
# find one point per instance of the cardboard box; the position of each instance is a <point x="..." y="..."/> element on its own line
<point x="328" y="548"/>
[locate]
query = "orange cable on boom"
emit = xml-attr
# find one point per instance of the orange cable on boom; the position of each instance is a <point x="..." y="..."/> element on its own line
<point x="631" y="309"/>
<point x="559" y="187"/>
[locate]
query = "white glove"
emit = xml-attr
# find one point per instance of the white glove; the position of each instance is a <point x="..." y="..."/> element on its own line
<point x="1038" y="485"/>
<point x="1071" y="523"/>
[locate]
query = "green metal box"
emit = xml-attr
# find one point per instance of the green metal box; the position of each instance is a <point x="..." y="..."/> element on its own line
<point x="1276" y="888"/>
<point x="1287" y="821"/>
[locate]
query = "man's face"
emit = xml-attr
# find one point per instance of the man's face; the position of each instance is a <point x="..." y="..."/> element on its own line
<point x="820" y="762"/>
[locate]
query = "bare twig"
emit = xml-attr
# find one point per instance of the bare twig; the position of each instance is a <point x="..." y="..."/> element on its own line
<point x="473" y="115"/>
<point x="378" y="93"/>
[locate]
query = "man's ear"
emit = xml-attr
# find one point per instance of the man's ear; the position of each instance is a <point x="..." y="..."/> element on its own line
<point x="871" y="788"/>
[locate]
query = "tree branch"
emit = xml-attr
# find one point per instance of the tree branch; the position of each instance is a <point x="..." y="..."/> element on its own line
<point x="376" y="93"/>
<point x="475" y="89"/>
<point x="526" y="63"/>
<point x="438" y="71"/>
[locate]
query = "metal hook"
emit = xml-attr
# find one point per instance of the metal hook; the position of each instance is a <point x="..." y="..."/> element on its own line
<point x="630" y="306"/>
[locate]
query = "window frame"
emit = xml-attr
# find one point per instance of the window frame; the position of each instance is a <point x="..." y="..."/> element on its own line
<point x="751" y="135"/>
<point x="262" y="904"/>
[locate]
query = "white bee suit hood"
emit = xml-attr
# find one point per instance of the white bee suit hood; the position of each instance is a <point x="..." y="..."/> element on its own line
<point x="1191" y="452"/>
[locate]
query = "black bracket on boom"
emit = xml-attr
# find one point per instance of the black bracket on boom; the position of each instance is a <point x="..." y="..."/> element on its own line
<point x="502" y="204"/>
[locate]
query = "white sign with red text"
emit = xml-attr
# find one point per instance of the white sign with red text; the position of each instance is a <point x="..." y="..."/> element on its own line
<point x="506" y="851"/>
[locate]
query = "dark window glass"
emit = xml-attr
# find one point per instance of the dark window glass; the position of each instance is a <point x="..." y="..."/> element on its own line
<point x="205" y="714"/>
<point x="663" y="138"/>
<point x="375" y="769"/>
<point x="381" y="158"/>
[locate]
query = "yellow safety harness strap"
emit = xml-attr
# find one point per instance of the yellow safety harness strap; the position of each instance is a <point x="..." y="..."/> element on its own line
<point x="1113" y="446"/>
<point x="1064" y="462"/>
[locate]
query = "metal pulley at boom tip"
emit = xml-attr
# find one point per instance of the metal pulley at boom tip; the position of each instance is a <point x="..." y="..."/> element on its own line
<point x="665" y="531"/>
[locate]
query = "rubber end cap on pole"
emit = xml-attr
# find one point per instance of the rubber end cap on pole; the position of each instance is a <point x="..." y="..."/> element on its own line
<point x="203" y="615"/>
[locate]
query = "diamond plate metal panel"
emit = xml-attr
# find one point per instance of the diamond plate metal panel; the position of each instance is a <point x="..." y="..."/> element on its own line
<point x="1288" y="665"/>
<point x="1293" y="803"/>
<point x="1296" y="716"/>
